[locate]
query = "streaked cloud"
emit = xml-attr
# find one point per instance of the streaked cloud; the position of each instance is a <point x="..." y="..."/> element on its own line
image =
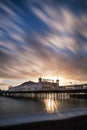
<point x="39" y="37"/>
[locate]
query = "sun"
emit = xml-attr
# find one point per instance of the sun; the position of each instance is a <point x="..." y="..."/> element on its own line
<point x="60" y="78"/>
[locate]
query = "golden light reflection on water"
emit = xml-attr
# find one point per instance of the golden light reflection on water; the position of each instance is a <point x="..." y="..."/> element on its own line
<point x="51" y="105"/>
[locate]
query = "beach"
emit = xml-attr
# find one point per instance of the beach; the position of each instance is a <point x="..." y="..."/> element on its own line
<point x="75" y="123"/>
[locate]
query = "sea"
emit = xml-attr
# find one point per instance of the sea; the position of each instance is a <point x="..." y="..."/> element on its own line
<point x="16" y="111"/>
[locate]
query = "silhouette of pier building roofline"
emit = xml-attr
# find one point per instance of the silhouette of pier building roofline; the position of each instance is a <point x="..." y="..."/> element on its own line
<point x="47" y="84"/>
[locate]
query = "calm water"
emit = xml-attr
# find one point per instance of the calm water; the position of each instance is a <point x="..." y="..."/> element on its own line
<point x="19" y="110"/>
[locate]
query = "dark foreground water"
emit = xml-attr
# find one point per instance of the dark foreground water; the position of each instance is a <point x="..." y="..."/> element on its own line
<point x="13" y="111"/>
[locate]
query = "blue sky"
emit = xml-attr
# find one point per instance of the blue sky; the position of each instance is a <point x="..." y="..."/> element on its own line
<point x="43" y="37"/>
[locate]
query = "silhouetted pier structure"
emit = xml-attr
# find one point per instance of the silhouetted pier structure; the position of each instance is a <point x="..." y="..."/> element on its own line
<point x="52" y="94"/>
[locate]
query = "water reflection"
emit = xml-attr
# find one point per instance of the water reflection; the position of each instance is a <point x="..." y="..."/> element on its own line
<point x="51" y="105"/>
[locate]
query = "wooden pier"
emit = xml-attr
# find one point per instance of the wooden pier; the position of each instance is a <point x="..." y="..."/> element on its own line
<point x="43" y="94"/>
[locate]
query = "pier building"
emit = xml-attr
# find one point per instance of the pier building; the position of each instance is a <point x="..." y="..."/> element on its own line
<point x="42" y="84"/>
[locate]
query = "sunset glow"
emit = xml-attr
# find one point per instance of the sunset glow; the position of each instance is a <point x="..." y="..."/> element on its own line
<point x="51" y="105"/>
<point x="46" y="38"/>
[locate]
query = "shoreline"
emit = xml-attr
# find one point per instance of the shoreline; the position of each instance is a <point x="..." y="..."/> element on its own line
<point x="73" y="123"/>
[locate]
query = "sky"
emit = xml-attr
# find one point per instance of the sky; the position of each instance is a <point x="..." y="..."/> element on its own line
<point x="46" y="38"/>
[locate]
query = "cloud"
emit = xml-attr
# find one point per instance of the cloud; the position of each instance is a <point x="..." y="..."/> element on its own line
<point x="59" y="49"/>
<point x="67" y="38"/>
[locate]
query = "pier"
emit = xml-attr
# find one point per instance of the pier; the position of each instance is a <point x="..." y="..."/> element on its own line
<point x="52" y="94"/>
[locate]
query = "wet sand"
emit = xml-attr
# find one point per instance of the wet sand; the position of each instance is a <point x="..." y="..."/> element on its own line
<point x="75" y="123"/>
